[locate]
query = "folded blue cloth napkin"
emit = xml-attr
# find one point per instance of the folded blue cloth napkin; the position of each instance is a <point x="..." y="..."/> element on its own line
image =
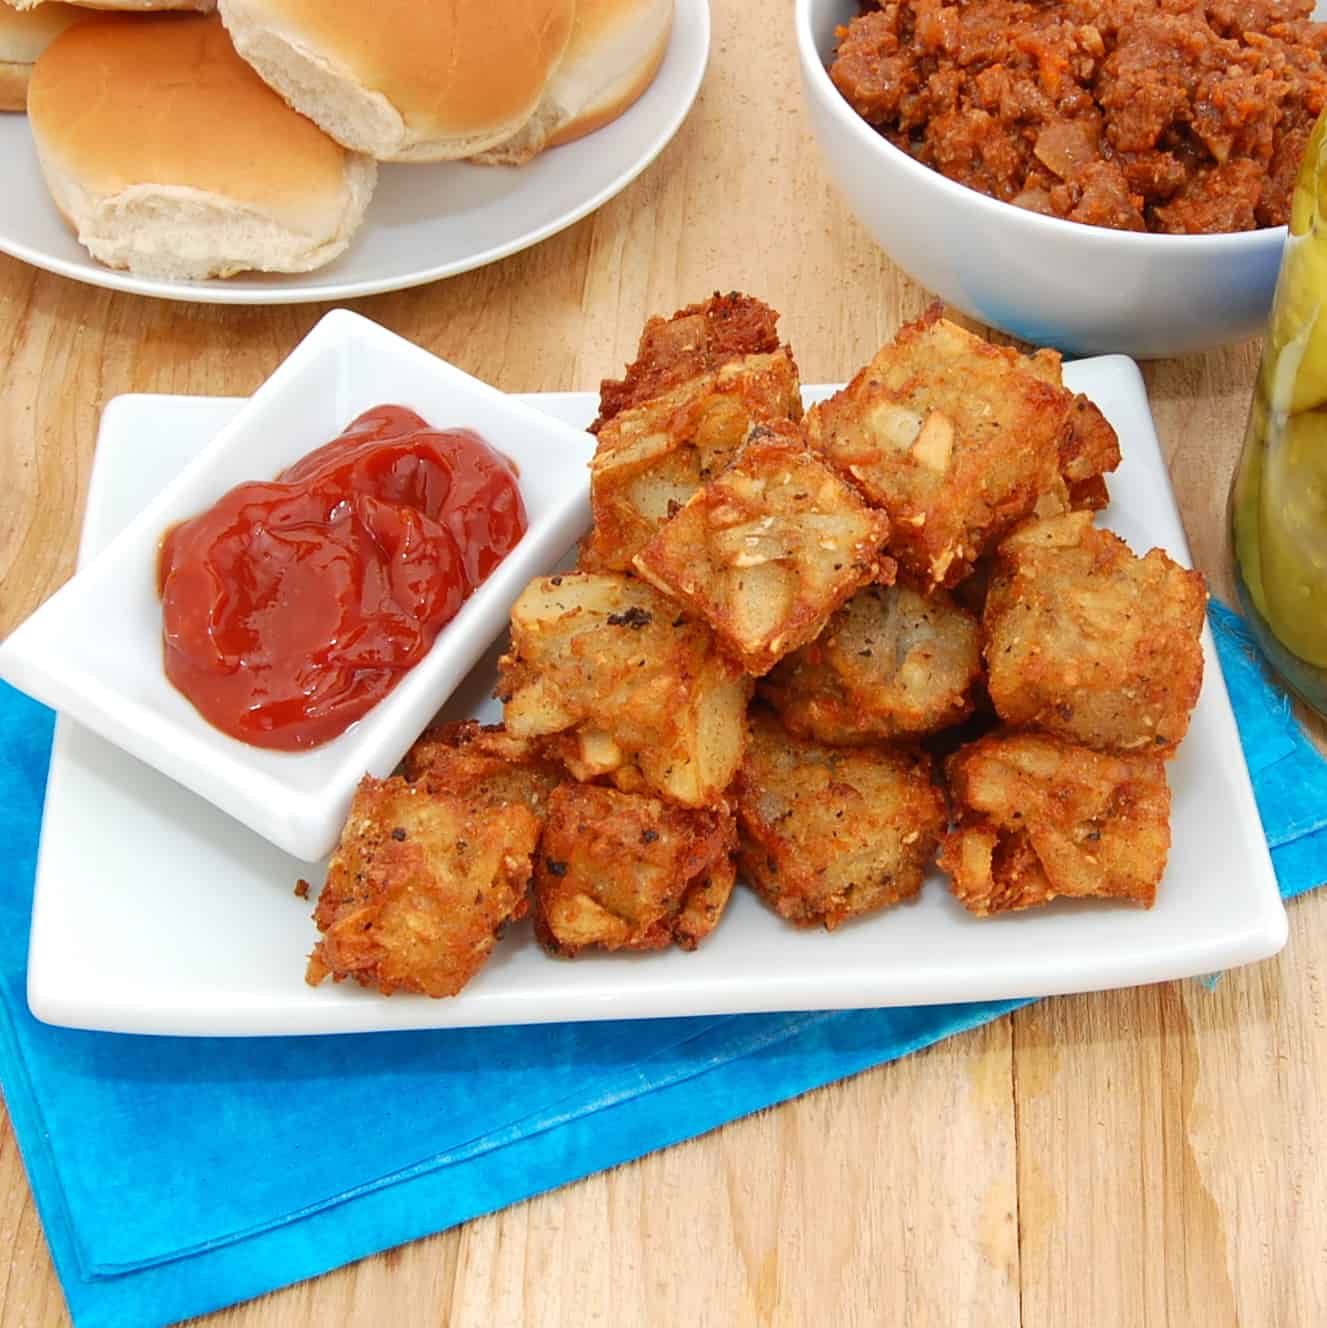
<point x="1289" y="773"/>
<point x="175" y="1176"/>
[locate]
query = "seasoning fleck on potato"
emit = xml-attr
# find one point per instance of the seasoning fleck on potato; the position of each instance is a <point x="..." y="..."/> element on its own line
<point x="625" y="871"/>
<point x="768" y="549"/>
<point x="830" y="833"/>
<point x="420" y="887"/>
<point x="483" y="761"/>
<point x="1038" y="817"/>
<point x="1086" y="640"/>
<point x="633" y="684"/>
<point x="699" y="381"/>
<point x="890" y="663"/>
<point x="958" y="440"/>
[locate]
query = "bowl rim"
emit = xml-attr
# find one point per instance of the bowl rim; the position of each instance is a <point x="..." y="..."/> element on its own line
<point x="816" y="80"/>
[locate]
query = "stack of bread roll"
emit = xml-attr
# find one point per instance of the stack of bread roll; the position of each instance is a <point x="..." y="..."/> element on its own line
<point x="201" y="144"/>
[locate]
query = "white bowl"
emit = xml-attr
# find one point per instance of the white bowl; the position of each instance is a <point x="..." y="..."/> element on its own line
<point x="1084" y="289"/>
<point x="94" y="649"/>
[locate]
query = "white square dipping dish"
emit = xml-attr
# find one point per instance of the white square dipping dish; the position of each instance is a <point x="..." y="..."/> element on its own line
<point x="154" y="913"/>
<point x="94" y="650"/>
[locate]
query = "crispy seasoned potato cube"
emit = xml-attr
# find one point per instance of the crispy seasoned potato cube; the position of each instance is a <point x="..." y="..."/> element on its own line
<point x="622" y="871"/>
<point x="419" y="888"/>
<point x="483" y="761"/>
<point x="769" y="549"/>
<point x="694" y="341"/>
<point x="890" y="663"/>
<point x="1039" y="817"/>
<point x="1089" y="446"/>
<point x="1086" y="640"/>
<point x="827" y="833"/>
<point x="952" y="436"/>
<point x="636" y="681"/>
<point x="653" y="457"/>
<point x="1089" y="449"/>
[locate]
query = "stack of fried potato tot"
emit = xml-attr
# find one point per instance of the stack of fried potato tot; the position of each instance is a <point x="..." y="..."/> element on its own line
<point x="777" y="625"/>
<point x="1094" y="665"/>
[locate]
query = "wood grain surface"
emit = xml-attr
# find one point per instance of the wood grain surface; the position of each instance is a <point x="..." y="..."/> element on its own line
<point x="1146" y="1157"/>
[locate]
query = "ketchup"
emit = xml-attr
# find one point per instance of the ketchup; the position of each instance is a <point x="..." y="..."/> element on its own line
<point x="293" y="606"/>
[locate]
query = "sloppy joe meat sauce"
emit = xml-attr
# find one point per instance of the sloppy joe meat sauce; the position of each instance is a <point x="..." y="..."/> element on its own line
<point x="1177" y="116"/>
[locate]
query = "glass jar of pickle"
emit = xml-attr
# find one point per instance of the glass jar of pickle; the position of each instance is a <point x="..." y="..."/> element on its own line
<point x="1278" y="503"/>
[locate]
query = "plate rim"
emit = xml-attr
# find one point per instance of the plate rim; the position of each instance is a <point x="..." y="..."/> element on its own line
<point x="215" y="290"/>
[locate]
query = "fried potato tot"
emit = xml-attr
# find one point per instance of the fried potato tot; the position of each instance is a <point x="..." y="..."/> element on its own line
<point x="694" y="341"/>
<point x="483" y="761"/>
<point x="625" y="872"/>
<point x="890" y="663"/>
<point x="828" y="833"/>
<point x="1089" y="450"/>
<point x="419" y="888"/>
<point x="1038" y="817"/>
<point x="769" y="549"/>
<point x="954" y="437"/>
<point x="636" y="682"/>
<point x="1085" y="640"/>
<point x="1089" y="446"/>
<point x="970" y="593"/>
<point x="652" y="457"/>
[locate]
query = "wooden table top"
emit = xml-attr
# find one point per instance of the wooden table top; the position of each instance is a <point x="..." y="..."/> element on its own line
<point x="1137" y="1157"/>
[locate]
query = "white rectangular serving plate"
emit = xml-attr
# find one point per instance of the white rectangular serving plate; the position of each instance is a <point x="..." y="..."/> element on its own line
<point x="156" y="913"/>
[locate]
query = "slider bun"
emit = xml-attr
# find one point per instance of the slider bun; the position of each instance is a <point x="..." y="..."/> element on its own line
<point x="615" y="51"/>
<point x="23" y="37"/>
<point x="172" y="158"/>
<point x="128" y="6"/>
<point x="406" y="80"/>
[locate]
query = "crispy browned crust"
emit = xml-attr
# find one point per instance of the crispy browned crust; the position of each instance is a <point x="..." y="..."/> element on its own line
<point x="891" y="663"/>
<point x="1085" y="640"/>
<point x="651" y="458"/>
<point x="419" y="888"/>
<point x="624" y="872"/>
<point x="971" y="592"/>
<point x="1089" y="450"/>
<point x="1038" y="817"/>
<point x="483" y="761"/>
<point x="769" y="548"/>
<point x="635" y="682"/>
<point x="694" y="341"/>
<point x="828" y="833"/>
<point x="705" y="899"/>
<point x="1089" y="447"/>
<point x="955" y="438"/>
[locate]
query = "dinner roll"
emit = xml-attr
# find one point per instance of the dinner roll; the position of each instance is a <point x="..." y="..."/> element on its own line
<point x="172" y="158"/>
<point x="128" y="6"/>
<point x="406" y="80"/>
<point x="615" y="51"/>
<point x="23" y="37"/>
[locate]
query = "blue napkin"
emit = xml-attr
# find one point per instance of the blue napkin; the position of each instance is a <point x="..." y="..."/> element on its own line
<point x="175" y="1176"/>
<point x="1289" y="773"/>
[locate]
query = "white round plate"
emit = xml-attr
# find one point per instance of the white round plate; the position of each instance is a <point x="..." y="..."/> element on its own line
<point x="425" y="222"/>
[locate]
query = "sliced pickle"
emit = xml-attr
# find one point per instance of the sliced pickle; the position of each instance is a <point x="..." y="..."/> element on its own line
<point x="1278" y="501"/>
<point x="1246" y="500"/>
<point x="1293" y="532"/>
<point x="1304" y="201"/>
<point x="1297" y="338"/>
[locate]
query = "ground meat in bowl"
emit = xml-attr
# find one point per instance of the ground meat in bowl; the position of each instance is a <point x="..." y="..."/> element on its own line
<point x="1176" y="116"/>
